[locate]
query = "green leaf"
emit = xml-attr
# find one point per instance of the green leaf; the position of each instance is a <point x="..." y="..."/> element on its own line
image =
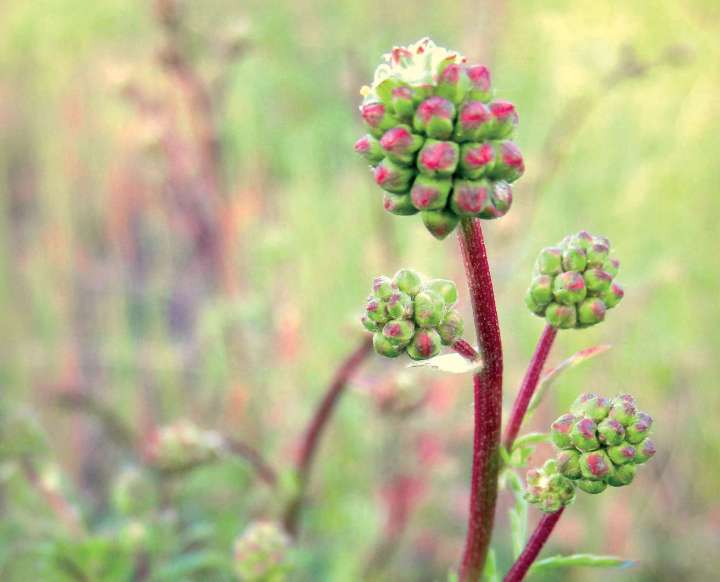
<point x="550" y="376"/>
<point x="490" y="573"/>
<point x="518" y="514"/>
<point x="584" y="560"/>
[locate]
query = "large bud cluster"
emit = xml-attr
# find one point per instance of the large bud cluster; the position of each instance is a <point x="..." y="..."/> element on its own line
<point x="548" y="488"/>
<point x="573" y="283"/>
<point x="407" y="314"/>
<point x="438" y="144"/>
<point x="601" y="441"/>
<point x="261" y="553"/>
<point x="182" y="446"/>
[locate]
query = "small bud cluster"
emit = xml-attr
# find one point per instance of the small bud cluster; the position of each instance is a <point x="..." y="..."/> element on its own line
<point x="406" y="314"/>
<point x="573" y="283"/>
<point x="261" y="553"/>
<point x="601" y="442"/>
<point x="438" y="144"/>
<point x="548" y="488"/>
<point x="182" y="446"/>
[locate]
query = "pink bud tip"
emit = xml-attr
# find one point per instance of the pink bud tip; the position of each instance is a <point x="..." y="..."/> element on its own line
<point x="396" y="139"/>
<point x="479" y="156"/>
<point x="451" y="74"/>
<point x="474" y="114"/>
<point x="424" y="345"/>
<point x="382" y="175"/>
<point x="434" y="107"/>
<point x="362" y="145"/>
<point x="373" y="113"/>
<point x="438" y="156"/>
<point x="402" y="93"/>
<point x="504" y="110"/>
<point x="480" y="77"/>
<point x="512" y="157"/>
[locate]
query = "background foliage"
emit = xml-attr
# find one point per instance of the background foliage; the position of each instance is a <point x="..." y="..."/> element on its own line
<point x="143" y="275"/>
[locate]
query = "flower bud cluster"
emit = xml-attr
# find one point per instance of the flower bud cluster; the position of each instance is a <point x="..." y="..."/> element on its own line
<point x="182" y="446"/>
<point x="573" y="283"/>
<point x="438" y="143"/>
<point x="548" y="488"/>
<point x="261" y="553"/>
<point x="407" y="314"/>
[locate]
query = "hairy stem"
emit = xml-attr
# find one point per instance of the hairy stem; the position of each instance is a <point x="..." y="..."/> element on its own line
<point x="487" y="385"/>
<point x="311" y="438"/>
<point x="529" y="384"/>
<point x="532" y="548"/>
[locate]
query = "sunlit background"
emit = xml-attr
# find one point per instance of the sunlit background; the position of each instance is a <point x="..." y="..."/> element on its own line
<point x="186" y="232"/>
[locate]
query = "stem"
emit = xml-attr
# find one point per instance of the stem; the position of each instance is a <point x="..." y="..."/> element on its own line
<point x="311" y="438"/>
<point x="465" y="350"/>
<point x="532" y="549"/>
<point x="529" y="384"/>
<point x="263" y="470"/>
<point x="487" y="384"/>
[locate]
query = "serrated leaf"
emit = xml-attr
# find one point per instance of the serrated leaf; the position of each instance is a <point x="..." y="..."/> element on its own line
<point x="490" y="572"/>
<point x="580" y="560"/>
<point x="551" y="375"/>
<point x="451" y="363"/>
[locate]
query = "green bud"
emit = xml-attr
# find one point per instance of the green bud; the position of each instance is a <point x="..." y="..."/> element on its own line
<point x="645" y="451"/>
<point x="473" y="123"/>
<point x="393" y="177"/>
<point x="591" y="311"/>
<point x="595" y="465"/>
<point x="425" y="344"/>
<point x="369" y="324"/>
<point x="385" y="347"/>
<point x="597" y="281"/>
<point x="561" y="316"/>
<point x="430" y="193"/>
<point x="504" y="120"/>
<point x="584" y="435"/>
<point x="400" y="144"/>
<point x="452" y="82"/>
<point x="639" y="428"/>
<point x="476" y="159"/>
<point x="548" y="489"/>
<point x="611" y="266"/>
<point x="369" y="148"/>
<point x="399" y="332"/>
<point x="583" y="239"/>
<point x="378" y="118"/>
<point x="591" y="405"/>
<point x="408" y="281"/>
<point x="403" y="103"/>
<point x="501" y="198"/>
<point x="440" y="223"/>
<point x="592" y="487"/>
<point x="541" y="289"/>
<point x="560" y="431"/>
<point x="429" y="308"/>
<point x="438" y="158"/>
<point x="377" y="310"/>
<point x="480" y="83"/>
<point x="399" y="204"/>
<point x="261" y="553"/>
<point x="533" y="306"/>
<point x="434" y="117"/>
<point x="471" y="198"/>
<point x="568" y="462"/>
<point x="549" y="261"/>
<point x="621" y="476"/>
<point x="597" y="254"/>
<point x="400" y="305"/>
<point x="509" y="164"/>
<point x="451" y="329"/>
<point x="613" y="295"/>
<point x="383" y="287"/>
<point x="574" y="259"/>
<point x="569" y="288"/>
<point x="446" y="289"/>
<point x="622" y="453"/>
<point x="610" y="432"/>
<point x="623" y="410"/>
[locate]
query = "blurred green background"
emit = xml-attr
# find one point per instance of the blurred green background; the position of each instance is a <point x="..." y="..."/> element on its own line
<point x="187" y="233"/>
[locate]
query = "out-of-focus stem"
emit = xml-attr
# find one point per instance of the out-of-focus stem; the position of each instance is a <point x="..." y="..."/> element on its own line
<point x="255" y="459"/>
<point x="534" y="545"/>
<point x="311" y="438"/>
<point x="487" y="386"/>
<point x="529" y="384"/>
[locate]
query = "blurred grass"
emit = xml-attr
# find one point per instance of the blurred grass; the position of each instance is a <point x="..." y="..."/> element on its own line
<point x="81" y="175"/>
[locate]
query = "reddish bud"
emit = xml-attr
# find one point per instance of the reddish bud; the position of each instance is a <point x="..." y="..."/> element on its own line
<point x="434" y="117"/>
<point x="470" y="198"/>
<point x="430" y="193"/>
<point x="505" y="118"/>
<point x="476" y="159"/>
<point x="479" y="76"/>
<point x="509" y="164"/>
<point x="440" y="223"/>
<point x="438" y="158"/>
<point x="393" y="177"/>
<point x="369" y="148"/>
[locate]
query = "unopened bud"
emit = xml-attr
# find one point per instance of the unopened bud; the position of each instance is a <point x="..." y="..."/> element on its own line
<point x="505" y="118"/>
<point x="452" y="83"/>
<point x="610" y="432"/>
<point x="476" y="159"/>
<point x="451" y="329"/>
<point x="377" y="118"/>
<point x="509" y="164"/>
<point x="597" y="281"/>
<point x="595" y="465"/>
<point x="623" y="411"/>
<point x="393" y="177"/>
<point x="429" y="308"/>
<point x="645" y="451"/>
<point x="376" y="310"/>
<point x="574" y="259"/>
<point x="479" y="76"/>
<point x="399" y="332"/>
<point x="400" y="305"/>
<point x="470" y="198"/>
<point x="639" y="428"/>
<point x="549" y="261"/>
<point x="560" y="431"/>
<point x="584" y="435"/>
<point x="613" y="295"/>
<point x="622" y="475"/>
<point x="385" y="347"/>
<point x="440" y="223"/>
<point x="541" y="289"/>
<point x="369" y="148"/>
<point x="569" y="288"/>
<point x="408" y="281"/>
<point x="430" y="193"/>
<point x="400" y="144"/>
<point x="568" y="463"/>
<point x="591" y="405"/>
<point x="446" y="289"/>
<point x="403" y="102"/>
<point x="473" y="123"/>
<point x="434" y="117"/>
<point x="383" y="287"/>
<point x="399" y="204"/>
<point x="425" y="344"/>
<point x="261" y="553"/>
<point x="592" y="487"/>
<point x="622" y="454"/>
<point x="438" y="158"/>
<point x="591" y="311"/>
<point x="561" y="316"/>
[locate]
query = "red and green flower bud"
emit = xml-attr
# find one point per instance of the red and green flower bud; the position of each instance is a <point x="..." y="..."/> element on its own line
<point x="385" y="347"/>
<point x="610" y="432"/>
<point x="262" y="553"/>
<point x="377" y="118"/>
<point x="400" y="305"/>
<point x="429" y="308"/>
<point x="430" y="193"/>
<point x="621" y="476"/>
<point x="505" y="118"/>
<point x="369" y="324"/>
<point x="561" y="316"/>
<point x="574" y="259"/>
<point x="613" y="295"/>
<point x="533" y="306"/>
<point x="438" y="158"/>
<point x="541" y="289"/>
<point x="476" y="159"/>
<point x="549" y="261"/>
<point x="592" y="405"/>
<point x="622" y="454"/>
<point x="612" y="267"/>
<point x="639" y="428"/>
<point x="400" y="144"/>
<point x="597" y="254"/>
<point x="408" y="281"/>
<point x="584" y="435"/>
<point x="502" y="200"/>
<point x="509" y="164"/>
<point x="470" y="198"/>
<point x="399" y="332"/>
<point x="597" y="281"/>
<point x="369" y="148"/>
<point x="591" y="311"/>
<point x="548" y="489"/>
<point x="451" y="329"/>
<point x="393" y="177"/>
<point x="440" y="223"/>
<point x="623" y="410"/>
<point x="383" y="287"/>
<point x="595" y="465"/>
<point x="434" y="117"/>
<point x="452" y="83"/>
<point x="446" y="289"/>
<point x="645" y="451"/>
<point x="592" y="487"/>
<point x="377" y="310"/>
<point x="560" y="431"/>
<point x="582" y="239"/>
<point x="569" y="288"/>
<point x="424" y="345"/>
<point x="399" y="204"/>
<point x="403" y="102"/>
<point x="568" y="463"/>
<point x="473" y="122"/>
<point x="479" y="76"/>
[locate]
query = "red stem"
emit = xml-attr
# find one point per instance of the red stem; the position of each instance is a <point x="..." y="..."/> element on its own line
<point x="314" y="431"/>
<point x="532" y="549"/>
<point x="487" y="385"/>
<point x="465" y="350"/>
<point x="529" y="384"/>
